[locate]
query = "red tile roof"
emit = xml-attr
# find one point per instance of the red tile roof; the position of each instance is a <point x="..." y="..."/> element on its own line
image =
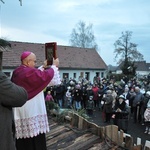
<point x="69" y="57"/>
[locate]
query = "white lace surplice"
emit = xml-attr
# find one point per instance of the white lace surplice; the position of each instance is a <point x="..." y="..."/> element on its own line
<point x="34" y="121"/>
<point x="56" y="79"/>
<point x="31" y="119"/>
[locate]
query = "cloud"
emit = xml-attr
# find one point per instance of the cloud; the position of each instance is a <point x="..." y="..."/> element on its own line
<point x="42" y="21"/>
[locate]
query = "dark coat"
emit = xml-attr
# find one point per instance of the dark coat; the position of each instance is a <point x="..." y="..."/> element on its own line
<point x="124" y="110"/>
<point x="60" y="90"/>
<point x="89" y="93"/>
<point x="108" y="103"/>
<point x="78" y="95"/>
<point x="11" y="95"/>
<point x="121" y="118"/>
<point x="138" y="99"/>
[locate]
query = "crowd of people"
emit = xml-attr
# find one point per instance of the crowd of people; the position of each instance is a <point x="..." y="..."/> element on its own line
<point x="118" y="101"/>
<point x="24" y="120"/>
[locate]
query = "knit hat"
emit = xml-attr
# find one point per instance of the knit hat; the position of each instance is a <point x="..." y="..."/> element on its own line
<point x="25" y="54"/>
<point x="77" y="86"/>
<point x="68" y="87"/>
<point x="148" y="93"/>
<point x="122" y="97"/>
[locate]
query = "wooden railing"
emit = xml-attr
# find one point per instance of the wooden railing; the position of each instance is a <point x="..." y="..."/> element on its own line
<point x="108" y="133"/>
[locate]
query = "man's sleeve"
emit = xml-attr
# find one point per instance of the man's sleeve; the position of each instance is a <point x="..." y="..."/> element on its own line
<point x="11" y="94"/>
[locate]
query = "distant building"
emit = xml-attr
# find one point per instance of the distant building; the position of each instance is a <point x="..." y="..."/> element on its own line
<point x="112" y="69"/>
<point x="74" y="62"/>
<point x="143" y="68"/>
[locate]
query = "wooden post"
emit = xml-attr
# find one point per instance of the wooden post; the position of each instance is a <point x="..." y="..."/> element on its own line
<point x="115" y="134"/>
<point x="1" y="57"/>
<point x="129" y="142"/>
<point x="121" y="138"/>
<point x="147" y="145"/>
<point x="75" y="120"/>
<point x="80" y="122"/>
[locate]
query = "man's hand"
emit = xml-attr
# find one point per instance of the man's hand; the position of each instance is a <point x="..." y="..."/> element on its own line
<point x="45" y="64"/>
<point x="56" y="62"/>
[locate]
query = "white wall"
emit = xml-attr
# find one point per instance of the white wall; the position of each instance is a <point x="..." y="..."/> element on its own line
<point x="142" y="72"/>
<point x="92" y="73"/>
<point x="137" y="72"/>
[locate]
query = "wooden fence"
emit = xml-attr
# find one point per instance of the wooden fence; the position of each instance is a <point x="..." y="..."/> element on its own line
<point x="108" y="133"/>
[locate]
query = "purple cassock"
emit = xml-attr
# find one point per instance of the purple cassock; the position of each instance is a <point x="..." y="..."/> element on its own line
<point x="32" y="79"/>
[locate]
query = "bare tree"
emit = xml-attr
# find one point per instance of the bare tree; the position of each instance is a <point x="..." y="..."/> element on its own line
<point x="128" y="53"/>
<point x="19" y="1"/>
<point x="83" y="36"/>
<point x="127" y="50"/>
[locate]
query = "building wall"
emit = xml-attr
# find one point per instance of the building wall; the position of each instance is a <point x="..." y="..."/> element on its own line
<point x="143" y="73"/>
<point x="74" y="74"/>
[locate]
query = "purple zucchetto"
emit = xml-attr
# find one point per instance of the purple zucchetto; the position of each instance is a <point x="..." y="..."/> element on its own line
<point x="25" y="54"/>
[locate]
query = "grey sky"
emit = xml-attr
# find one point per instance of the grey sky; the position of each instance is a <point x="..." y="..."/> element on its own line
<point x="42" y="21"/>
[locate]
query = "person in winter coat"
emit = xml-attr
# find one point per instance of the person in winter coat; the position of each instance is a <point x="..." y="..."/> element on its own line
<point x="131" y="98"/>
<point x="147" y="118"/>
<point x="69" y="97"/>
<point x="89" y="91"/>
<point x="107" y="108"/>
<point x="120" y="113"/>
<point x="84" y="95"/>
<point x="49" y="101"/>
<point x="137" y="105"/>
<point x="60" y="90"/>
<point x="100" y="96"/>
<point x="90" y="106"/>
<point x="77" y="97"/>
<point x="11" y="95"/>
<point x="95" y="90"/>
<point x="144" y="104"/>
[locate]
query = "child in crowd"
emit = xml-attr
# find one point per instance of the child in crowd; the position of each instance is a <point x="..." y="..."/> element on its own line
<point x="69" y="97"/>
<point x="49" y="101"/>
<point x="90" y="106"/>
<point x="49" y="96"/>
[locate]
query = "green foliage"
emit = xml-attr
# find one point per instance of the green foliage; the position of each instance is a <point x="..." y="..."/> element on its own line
<point x="51" y="105"/>
<point x="129" y="68"/>
<point x="82" y="113"/>
<point x="61" y="113"/>
<point x="118" y="77"/>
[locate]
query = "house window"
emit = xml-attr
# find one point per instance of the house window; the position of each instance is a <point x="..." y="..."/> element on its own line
<point x="97" y="74"/>
<point x="65" y="75"/>
<point x="102" y="74"/>
<point x="74" y="75"/>
<point x="82" y="74"/>
<point x="87" y="75"/>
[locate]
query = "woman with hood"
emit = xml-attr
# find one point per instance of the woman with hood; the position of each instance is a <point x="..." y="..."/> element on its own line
<point x="120" y="113"/>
